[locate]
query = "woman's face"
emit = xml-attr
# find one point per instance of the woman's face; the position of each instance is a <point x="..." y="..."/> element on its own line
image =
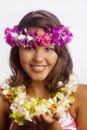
<point x="38" y="62"/>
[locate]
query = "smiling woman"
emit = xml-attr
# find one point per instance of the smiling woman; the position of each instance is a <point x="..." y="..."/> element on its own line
<point x="43" y="92"/>
<point x="36" y="61"/>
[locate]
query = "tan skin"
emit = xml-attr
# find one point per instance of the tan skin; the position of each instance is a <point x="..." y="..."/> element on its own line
<point x="36" y="63"/>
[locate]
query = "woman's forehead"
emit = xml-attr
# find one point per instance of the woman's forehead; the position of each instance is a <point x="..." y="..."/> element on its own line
<point x="36" y="45"/>
<point x="39" y="30"/>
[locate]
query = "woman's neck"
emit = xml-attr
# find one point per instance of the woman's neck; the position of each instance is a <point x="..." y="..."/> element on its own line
<point x="37" y="89"/>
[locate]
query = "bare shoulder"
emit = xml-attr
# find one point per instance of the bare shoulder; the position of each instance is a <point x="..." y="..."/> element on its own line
<point x="82" y="91"/>
<point x="81" y="104"/>
<point x="4" y="112"/>
<point x="81" y="96"/>
<point x="1" y="97"/>
<point x="3" y="103"/>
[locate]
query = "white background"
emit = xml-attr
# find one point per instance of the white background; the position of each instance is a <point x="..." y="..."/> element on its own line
<point x="72" y="13"/>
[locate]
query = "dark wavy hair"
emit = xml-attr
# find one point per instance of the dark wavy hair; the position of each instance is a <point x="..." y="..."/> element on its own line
<point x="64" y="65"/>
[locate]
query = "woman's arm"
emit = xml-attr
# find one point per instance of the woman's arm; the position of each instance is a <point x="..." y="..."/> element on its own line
<point x="81" y="98"/>
<point x="4" y="120"/>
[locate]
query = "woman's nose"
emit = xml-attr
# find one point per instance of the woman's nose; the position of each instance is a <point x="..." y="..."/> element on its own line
<point x="38" y="56"/>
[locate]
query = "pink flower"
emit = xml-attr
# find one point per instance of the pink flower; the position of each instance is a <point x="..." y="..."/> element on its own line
<point x="61" y="35"/>
<point x="11" y="35"/>
<point x="43" y="40"/>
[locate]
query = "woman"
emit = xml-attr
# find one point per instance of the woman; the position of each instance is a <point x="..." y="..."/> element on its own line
<point x="42" y="92"/>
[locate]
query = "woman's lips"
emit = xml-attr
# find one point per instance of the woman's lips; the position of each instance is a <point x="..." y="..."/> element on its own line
<point x="39" y="68"/>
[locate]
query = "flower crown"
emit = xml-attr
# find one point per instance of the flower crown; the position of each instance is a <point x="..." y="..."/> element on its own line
<point x="59" y="35"/>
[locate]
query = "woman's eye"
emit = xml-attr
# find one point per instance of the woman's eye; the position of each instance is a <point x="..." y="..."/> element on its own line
<point x="29" y="48"/>
<point x="49" y="49"/>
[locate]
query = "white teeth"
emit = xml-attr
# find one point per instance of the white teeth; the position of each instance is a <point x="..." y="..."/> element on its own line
<point x="38" y="68"/>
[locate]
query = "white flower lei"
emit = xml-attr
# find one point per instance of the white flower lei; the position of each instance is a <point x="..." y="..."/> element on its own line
<point x="24" y="108"/>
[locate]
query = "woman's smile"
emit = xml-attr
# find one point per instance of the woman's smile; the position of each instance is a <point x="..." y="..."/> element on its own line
<point x="38" y="68"/>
